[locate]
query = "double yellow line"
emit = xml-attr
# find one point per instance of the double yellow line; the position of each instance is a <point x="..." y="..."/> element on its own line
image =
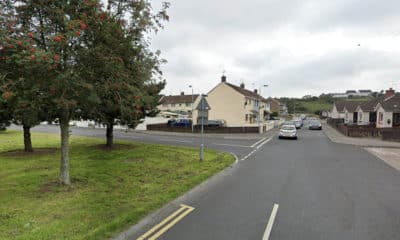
<point x="167" y="223"/>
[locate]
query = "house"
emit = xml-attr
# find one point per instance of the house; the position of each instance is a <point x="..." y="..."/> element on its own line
<point x="236" y="105"/>
<point x="181" y="104"/>
<point x="350" y="113"/>
<point x="337" y="111"/>
<point x="388" y="113"/>
<point x="366" y="112"/>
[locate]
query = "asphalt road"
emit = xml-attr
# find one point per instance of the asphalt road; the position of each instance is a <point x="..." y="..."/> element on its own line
<point x="240" y="145"/>
<point x="321" y="190"/>
<point x="305" y="189"/>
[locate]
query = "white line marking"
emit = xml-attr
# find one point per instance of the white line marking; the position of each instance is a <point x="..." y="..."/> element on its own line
<point x="263" y="143"/>
<point x="271" y="222"/>
<point x="174" y="140"/>
<point x="255" y="144"/>
<point x="231" y="145"/>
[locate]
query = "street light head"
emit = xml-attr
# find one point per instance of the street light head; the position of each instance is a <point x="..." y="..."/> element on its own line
<point x="190" y="86"/>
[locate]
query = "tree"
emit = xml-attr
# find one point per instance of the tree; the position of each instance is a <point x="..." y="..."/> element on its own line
<point x="62" y="30"/>
<point x="56" y="29"/>
<point x="23" y="67"/>
<point x="121" y="66"/>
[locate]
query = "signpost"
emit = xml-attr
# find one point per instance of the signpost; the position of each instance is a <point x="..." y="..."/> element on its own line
<point x="202" y="109"/>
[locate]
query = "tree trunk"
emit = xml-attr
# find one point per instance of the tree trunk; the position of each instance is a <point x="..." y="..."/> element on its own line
<point x="64" y="168"/>
<point x="109" y="134"/>
<point x="27" y="139"/>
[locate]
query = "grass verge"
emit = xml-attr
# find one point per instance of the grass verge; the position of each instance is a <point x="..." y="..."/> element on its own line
<point x="112" y="189"/>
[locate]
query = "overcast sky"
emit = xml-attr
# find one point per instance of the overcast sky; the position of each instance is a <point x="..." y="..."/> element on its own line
<point x="297" y="47"/>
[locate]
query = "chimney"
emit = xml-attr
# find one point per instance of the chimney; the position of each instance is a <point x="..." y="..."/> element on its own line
<point x="242" y="85"/>
<point x="223" y="78"/>
<point x="182" y="93"/>
<point x="255" y="91"/>
<point x="390" y="93"/>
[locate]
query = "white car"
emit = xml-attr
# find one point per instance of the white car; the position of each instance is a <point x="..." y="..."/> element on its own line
<point x="288" y="131"/>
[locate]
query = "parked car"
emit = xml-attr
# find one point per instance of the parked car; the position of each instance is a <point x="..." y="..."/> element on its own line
<point x="215" y="123"/>
<point x="298" y="123"/>
<point x="315" y="125"/>
<point x="171" y="122"/>
<point x="183" y="123"/>
<point x="288" y="131"/>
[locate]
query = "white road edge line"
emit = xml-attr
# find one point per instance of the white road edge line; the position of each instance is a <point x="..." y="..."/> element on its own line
<point x="255" y="144"/>
<point x="271" y="222"/>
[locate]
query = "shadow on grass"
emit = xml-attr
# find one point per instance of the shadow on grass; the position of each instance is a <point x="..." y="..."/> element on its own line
<point x="36" y="152"/>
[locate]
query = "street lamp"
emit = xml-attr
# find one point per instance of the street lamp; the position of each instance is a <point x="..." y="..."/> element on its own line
<point x="190" y="86"/>
<point x="259" y="108"/>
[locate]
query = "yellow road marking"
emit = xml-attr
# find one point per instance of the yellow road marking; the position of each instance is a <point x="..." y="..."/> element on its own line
<point x="184" y="208"/>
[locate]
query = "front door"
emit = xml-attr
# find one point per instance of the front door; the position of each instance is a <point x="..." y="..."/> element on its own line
<point x="396" y="119"/>
<point x="372" y="117"/>
<point x="355" y="117"/>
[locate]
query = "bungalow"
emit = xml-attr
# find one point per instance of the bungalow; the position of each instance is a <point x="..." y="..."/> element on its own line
<point x="236" y="105"/>
<point x="337" y="111"/>
<point x="388" y="113"/>
<point x="350" y="113"/>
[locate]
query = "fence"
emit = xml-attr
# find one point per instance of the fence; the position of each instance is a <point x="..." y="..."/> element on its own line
<point x="207" y="129"/>
<point x="391" y="134"/>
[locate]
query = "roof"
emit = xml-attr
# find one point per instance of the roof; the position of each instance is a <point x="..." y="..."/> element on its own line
<point x="392" y="105"/>
<point x="175" y="99"/>
<point x="244" y="91"/>
<point x="369" y="106"/>
<point x="351" y="106"/>
<point x="340" y="106"/>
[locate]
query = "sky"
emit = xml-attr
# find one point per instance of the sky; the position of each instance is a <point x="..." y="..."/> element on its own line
<point x="296" y="47"/>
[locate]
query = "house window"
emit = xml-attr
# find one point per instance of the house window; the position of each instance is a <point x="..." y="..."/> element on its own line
<point x="380" y="117"/>
<point x="188" y="104"/>
<point x="173" y="104"/>
<point x="360" y="116"/>
<point x="247" y="117"/>
<point x="165" y="105"/>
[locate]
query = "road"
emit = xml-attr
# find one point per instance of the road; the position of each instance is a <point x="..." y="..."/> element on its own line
<point x="306" y="189"/>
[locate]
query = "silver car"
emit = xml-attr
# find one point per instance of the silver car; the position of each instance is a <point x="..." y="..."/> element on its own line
<point x="288" y="131"/>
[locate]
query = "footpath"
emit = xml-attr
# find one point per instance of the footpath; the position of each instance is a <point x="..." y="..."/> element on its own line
<point x="388" y="152"/>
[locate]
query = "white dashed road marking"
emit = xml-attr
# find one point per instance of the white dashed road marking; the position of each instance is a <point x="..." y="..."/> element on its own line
<point x="271" y="222"/>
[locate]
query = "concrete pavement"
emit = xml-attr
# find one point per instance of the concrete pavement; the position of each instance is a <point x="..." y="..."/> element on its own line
<point x="338" y="137"/>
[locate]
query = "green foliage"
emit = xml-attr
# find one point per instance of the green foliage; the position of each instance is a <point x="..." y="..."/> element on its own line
<point x="112" y="189"/>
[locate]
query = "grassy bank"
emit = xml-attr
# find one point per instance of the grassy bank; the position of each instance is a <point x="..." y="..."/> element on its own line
<point x="111" y="189"/>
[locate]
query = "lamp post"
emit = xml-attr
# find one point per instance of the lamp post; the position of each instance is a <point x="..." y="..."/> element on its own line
<point x="204" y="107"/>
<point x="190" y="86"/>
<point x="259" y="109"/>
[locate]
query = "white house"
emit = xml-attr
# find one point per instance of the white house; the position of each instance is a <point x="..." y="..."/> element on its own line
<point x="388" y="113"/>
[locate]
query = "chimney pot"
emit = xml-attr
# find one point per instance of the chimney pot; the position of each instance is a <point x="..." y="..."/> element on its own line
<point x="182" y="93"/>
<point x="242" y="85"/>
<point x="223" y="78"/>
<point x="390" y="93"/>
<point x="255" y="91"/>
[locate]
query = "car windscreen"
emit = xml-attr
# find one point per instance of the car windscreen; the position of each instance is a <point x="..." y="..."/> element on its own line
<point x="288" y="127"/>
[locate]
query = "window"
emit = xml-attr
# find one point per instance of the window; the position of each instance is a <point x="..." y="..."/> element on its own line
<point x="380" y="117"/>
<point x="188" y="104"/>
<point x="165" y="105"/>
<point x="247" y="117"/>
<point x="173" y="104"/>
<point x="360" y="116"/>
